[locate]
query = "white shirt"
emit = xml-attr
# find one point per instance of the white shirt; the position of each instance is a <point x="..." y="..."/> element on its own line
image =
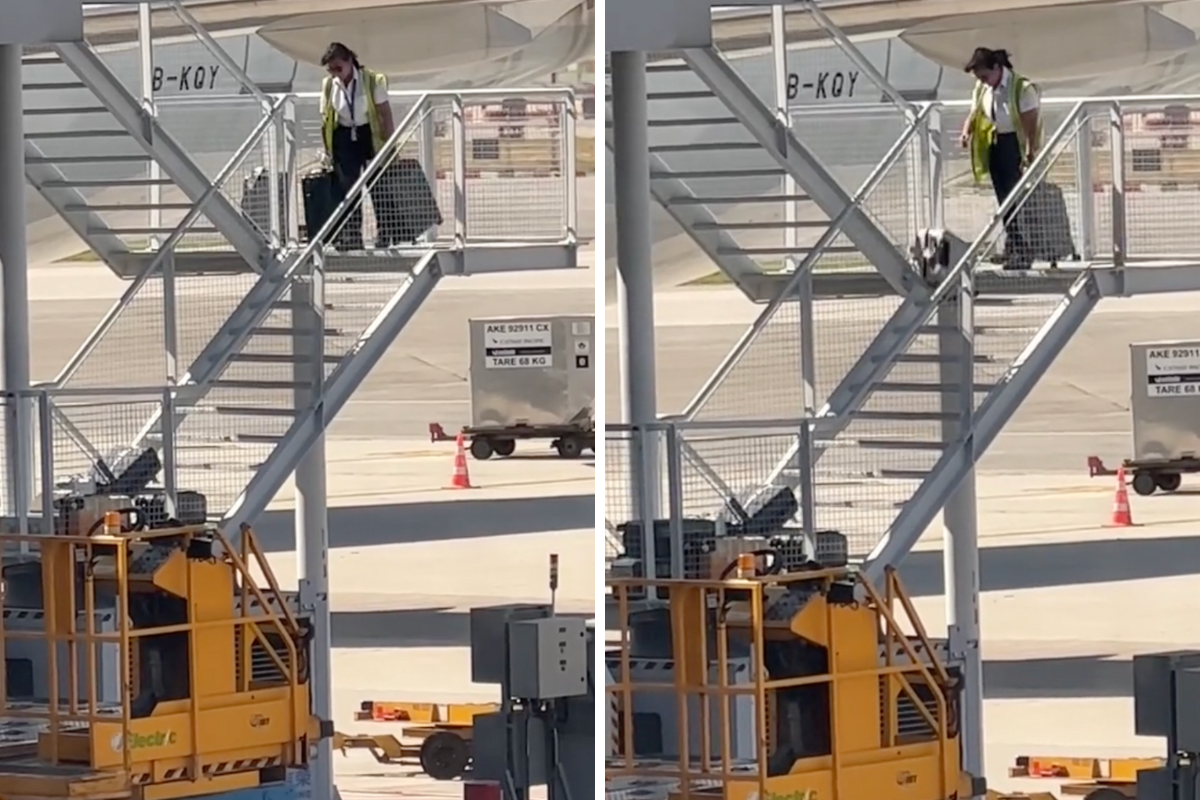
<point x="354" y="114"/>
<point x="995" y="102"/>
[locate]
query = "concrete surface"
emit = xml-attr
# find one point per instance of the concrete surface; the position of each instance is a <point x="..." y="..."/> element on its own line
<point x="408" y="557"/>
<point x="1066" y="600"/>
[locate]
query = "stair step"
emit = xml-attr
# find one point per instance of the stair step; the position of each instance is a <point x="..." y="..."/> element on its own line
<point x="735" y="200"/>
<point x="761" y="226"/>
<point x="660" y="67"/>
<point x="50" y="112"/>
<point x="293" y="305"/>
<point x="688" y="122"/>
<point x="83" y="134"/>
<point x="252" y="438"/>
<point x="903" y="474"/>
<point x="50" y="86"/>
<point x="107" y="183"/>
<point x="934" y="358"/>
<point x="906" y="416"/>
<point x="152" y="231"/>
<point x="704" y="147"/>
<point x="251" y="411"/>
<point x="267" y="330"/>
<point x="127" y="207"/>
<point x="900" y="444"/>
<point x="89" y="159"/>
<point x="716" y="174"/>
<point x="247" y="383"/>
<point x="688" y="94"/>
<point x="280" y="358"/>
<point x="927" y="388"/>
<point x="843" y="249"/>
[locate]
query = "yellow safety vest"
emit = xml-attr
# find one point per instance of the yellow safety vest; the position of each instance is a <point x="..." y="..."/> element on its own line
<point x="371" y="80"/>
<point x="983" y="130"/>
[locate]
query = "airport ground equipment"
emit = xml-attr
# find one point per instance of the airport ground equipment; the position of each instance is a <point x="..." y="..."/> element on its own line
<point x="443" y="734"/>
<point x="812" y="662"/>
<point x="1165" y="415"/>
<point x="531" y="378"/>
<point x="154" y="665"/>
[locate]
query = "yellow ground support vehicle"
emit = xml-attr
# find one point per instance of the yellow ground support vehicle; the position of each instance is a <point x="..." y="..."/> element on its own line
<point x="805" y="685"/>
<point x="157" y="667"/>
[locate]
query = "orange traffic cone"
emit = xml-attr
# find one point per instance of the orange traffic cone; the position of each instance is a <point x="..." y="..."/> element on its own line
<point x="1122" y="517"/>
<point x="461" y="479"/>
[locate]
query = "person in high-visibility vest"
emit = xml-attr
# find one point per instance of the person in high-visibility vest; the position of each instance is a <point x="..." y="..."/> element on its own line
<point x="356" y="121"/>
<point x="1003" y="132"/>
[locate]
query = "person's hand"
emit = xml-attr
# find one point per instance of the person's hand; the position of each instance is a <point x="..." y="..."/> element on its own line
<point x="964" y="140"/>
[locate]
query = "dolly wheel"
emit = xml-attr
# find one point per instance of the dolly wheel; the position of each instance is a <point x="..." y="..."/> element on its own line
<point x="444" y="756"/>
<point x="1144" y="483"/>
<point x="569" y="447"/>
<point x="504" y="447"/>
<point x="1168" y="481"/>
<point x="481" y="449"/>
<point x="1106" y="793"/>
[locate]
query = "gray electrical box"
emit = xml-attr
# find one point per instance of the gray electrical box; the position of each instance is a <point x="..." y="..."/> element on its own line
<point x="1165" y="400"/>
<point x="489" y="637"/>
<point x="548" y="658"/>
<point x="492" y="734"/>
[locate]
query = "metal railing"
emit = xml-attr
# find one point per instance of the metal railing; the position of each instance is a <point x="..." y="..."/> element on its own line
<point x="526" y="138"/>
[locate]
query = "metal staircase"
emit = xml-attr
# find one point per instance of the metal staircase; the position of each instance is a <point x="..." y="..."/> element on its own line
<point x="286" y="348"/>
<point x="891" y="425"/>
<point x="893" y="434"/>
<point x="719" y="159"/>
<point x="110" y="168"/>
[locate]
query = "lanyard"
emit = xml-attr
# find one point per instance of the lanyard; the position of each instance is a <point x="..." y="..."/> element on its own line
<point x="351" y="93"/>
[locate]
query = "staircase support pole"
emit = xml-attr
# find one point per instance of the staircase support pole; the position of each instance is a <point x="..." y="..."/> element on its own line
<point x="635" y="280"/>
<point x="14" y="268"/>
<point x="312" y="514"/>
<point x="960" y="538"/>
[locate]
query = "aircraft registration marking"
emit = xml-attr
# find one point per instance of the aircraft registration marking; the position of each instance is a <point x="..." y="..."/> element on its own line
<point x="825" y="85"/>
<point x="191" y="78"/>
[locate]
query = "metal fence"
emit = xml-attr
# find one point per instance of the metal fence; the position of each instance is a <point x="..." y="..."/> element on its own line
<point x="683" y="471"/>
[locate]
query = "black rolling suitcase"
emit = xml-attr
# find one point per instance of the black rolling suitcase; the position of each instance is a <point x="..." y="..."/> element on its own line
<point x="256" y="199"/>
<point x="317" y="187"/>
<point x="1045" y="226"/>
<point x="404" y="203"/>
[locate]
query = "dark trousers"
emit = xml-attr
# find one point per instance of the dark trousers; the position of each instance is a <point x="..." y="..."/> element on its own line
<point x="352" y="152"/>
<point x="1004" y="167"/>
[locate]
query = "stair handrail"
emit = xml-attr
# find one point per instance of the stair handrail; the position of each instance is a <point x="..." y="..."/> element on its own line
<point x="218" y="52"/>
<point x="404" y="129"/>
<point x="1030" y="178"/>
<point x="864" y="191"/>
<point x="167" y="249"/>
